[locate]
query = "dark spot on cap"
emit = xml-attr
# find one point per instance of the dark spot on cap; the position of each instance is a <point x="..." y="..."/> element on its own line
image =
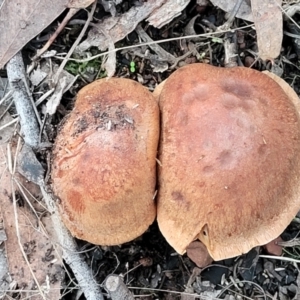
<point x="240" y="89"/>
<point x="225" y="157"/>
<point x="76" y="202"/>
<point x="208" y="169"/>
<point x="177" y="196"/>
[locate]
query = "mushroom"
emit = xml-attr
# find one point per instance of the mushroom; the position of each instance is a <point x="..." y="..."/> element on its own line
<point x="230" y="159"/>
<point x="104" y="162"/>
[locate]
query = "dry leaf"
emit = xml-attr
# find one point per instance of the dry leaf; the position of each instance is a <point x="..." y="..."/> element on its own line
<point x="5" y="278"/>
<point x="297" y="296"/>
<point x="29" y="166"/>
<point x="7" y="132"/>
<point x="110" y="6"/>
<point x="244" y="11"/>
<point x="111" y="62"/>
<point x="65" y="81"/>
<point x="267" y="16"/>
<point x="80" y="3"/>
<point x="21" y="21"/>
<point x="167" y="12"/>
<point x="42" y="258"/>
<point x="37" y="76"/>
<point x="54" y="100"/>
<point x="118" y="27"/>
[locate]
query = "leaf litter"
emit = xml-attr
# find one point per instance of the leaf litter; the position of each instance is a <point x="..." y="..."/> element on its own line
<point x="33" y="260"/>
<point x="21" y="22"/>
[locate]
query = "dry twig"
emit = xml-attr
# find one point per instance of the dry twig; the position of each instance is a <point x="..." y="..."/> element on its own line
<point x="23" y="101"/>
<point x="61" y="26"/>
<point x="116" y="288"/>
<point x="79" y="38"/>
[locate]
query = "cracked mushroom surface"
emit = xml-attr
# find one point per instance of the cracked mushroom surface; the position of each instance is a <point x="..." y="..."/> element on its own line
<point x="104" y="162"/>
<point x="230" y="159"/>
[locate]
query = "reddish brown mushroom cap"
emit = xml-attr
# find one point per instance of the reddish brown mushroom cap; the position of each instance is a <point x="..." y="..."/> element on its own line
<point x="230" y="155"/>
<point x="104" y="167"/>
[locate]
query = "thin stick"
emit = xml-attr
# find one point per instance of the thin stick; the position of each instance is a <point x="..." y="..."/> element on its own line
<point x="81" y="271"/>
<point x="116" y="288"/>
<point x="61" y="26"/>
<point x="23" y="101"/>
<point x="79" y="38"/>
<point x="208" y="35"/>
<point x="283" y="258"/>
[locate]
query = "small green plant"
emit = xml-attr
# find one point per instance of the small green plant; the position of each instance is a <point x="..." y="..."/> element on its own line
<point x="132" y="66"/>
<point x="217" y="40"/>
<point x="76" y="68"/>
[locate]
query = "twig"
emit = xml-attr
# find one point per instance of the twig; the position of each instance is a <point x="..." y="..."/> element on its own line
<point x="208" y="35"/>
<point x="61" y="26"/>
<point x="116" y="288"/>
<point x="163" y="54"/>
<point x="281" y="258"/>
<point x="79" y="38"/>
<point x="23" y="101"/>
<point x="230" y="47"/>
<point x="9" y="123"/>
<point x="6" y="97"/>
<point x="80" y="269"/>
<point x="232" y="15"/>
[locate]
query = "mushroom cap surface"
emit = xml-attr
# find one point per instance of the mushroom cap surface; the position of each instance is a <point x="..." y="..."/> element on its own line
<point x="104" y="162"/>
<point x="230" y="159"/>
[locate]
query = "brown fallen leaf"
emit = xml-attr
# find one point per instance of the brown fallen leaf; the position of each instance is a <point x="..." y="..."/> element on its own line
<point x="297" y="296"/>
<point x="80" y="3"/>
<point x="244" y="11"/>
<point x="27" y="236"/>
<point x="167" y="12"/>
<point x="117" y="27"/>
<point x="21" y="21"/>
<point x="267" y="17"/>
<point x="7" y="131"/>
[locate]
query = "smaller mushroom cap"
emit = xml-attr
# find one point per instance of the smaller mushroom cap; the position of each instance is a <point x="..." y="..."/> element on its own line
<point x="230" y="159"/>
<point x="104" y="162"/>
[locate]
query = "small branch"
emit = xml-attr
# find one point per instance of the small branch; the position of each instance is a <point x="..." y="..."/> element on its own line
<point x="29" y="118"/>
<point x="80" y="269"/>
<point x="231" y="16"/>
<point x="116" y="288"/>
<point x="162" y="53"/>
<point x="231" y="53"/>
<point x="78" y="40"/>
<point x="61" y="26"/>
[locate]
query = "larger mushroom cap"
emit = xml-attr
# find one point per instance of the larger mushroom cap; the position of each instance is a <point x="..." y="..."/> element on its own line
<point x="230" y="159"/>
<point x="104" y="163"/>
